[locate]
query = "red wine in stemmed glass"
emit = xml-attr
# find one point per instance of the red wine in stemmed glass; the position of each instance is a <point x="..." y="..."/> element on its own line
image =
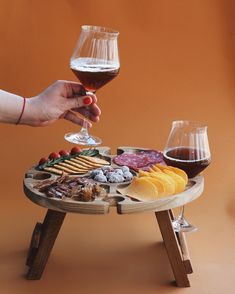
<point x="95" y="62"/>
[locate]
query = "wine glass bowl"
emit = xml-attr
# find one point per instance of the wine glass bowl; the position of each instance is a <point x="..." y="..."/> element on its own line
<point x="93" y="74"/>
<point x="95" y="62"/>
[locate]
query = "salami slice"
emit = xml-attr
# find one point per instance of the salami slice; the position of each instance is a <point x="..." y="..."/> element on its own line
<point x="141" y="160"/>
<point x="152" y="155"/>
<point x="134" y="161"/>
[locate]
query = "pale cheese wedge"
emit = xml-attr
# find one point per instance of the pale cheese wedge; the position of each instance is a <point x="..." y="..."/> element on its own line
<point x="140" y="189"/>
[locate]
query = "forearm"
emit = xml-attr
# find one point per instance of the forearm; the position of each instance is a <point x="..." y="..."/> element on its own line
<point x="11" y="106"/>
<point x="52" y="104"/>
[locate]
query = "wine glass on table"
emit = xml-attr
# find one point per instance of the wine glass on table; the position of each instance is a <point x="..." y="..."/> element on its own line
<point x="187" y="148"/>
<point x="95" y="62"/>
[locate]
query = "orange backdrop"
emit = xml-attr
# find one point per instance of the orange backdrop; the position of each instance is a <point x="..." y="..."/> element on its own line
<point x="177" y="62"/>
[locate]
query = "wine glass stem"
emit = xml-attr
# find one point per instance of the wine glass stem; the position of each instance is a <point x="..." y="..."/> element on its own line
<point x="182" y="212"/>
<point x="84" y="129"/>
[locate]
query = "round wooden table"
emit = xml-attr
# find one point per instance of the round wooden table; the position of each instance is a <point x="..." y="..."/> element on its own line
<point x="45" y="234"/>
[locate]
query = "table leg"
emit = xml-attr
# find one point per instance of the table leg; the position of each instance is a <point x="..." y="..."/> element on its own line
<point x="43" y="239"/>
<point x="184" y="247"/>
<point x="172" y="247"/>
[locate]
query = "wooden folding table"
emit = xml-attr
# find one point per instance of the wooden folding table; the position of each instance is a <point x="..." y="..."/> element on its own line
<point x="45" y="233"/>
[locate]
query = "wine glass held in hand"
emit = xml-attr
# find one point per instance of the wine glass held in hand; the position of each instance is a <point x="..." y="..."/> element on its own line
<point x="188" y="149"/>
<point x="95" y="62"/>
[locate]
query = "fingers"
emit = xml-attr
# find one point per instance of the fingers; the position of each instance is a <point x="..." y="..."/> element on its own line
<point x="92" y="113"/>
<point x="86" y="106"/>
<point x="78" y="102"/>
<point x="71" y="88"/>
<point x="69" y="115"/>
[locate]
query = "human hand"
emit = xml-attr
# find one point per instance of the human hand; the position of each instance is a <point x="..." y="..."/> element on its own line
<point x="61" y="100"/>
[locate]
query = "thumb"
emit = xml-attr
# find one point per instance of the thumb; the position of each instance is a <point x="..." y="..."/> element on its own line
<point x="78" y="102"/>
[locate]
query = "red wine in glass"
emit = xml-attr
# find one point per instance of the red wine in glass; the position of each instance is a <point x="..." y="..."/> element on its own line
<point x="191" y="160"/>
<point x="94" y="74"/>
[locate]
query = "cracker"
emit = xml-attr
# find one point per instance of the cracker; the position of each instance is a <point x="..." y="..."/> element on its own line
<point x="73" y="163"/>
<point x="55" y="170"/>
<point x="76" y="169"/>
<point x="95" y="160"/>
<point x="78" y="164"/>
<point x="84" y="163"/>
<point x="68" y="170"/>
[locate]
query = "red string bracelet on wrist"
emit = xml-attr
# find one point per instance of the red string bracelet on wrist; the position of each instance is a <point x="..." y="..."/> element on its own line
<point x="22" y="111"/>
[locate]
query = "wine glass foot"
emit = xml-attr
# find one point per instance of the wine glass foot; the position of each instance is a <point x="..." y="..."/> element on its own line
<point x="181" y="225"/>
<point x="80" y="139"/>
<point x="188" y="228"/>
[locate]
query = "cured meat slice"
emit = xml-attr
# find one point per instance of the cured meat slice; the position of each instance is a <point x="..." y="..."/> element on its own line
<point x="134" y="161"/>
<point x="152" y="155"/>
<point x="141" y="160"/>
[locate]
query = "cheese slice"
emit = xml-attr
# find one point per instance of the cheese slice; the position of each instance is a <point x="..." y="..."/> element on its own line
<point x="159" y="185"/>
<point x="141" y="189"/>
<point x="167" y="181"/>
<point x="143" y="174"/>
<point x="176" y="170"/>
<point x="179" y="181"/>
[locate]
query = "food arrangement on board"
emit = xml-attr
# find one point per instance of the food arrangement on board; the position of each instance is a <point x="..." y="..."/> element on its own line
<point x="86" y="175"/>
<point x="160" y="181"/>
<point x="76" y="161"/>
